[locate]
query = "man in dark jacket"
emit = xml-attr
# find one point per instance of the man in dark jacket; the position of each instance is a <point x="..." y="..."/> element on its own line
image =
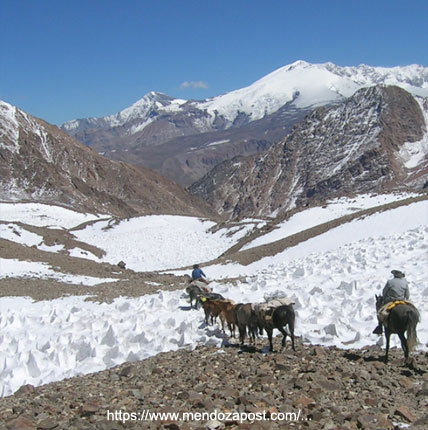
<point x="395" y="289"/>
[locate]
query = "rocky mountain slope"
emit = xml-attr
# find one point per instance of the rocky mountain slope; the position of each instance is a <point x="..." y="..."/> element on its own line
<point x="183" y="139"/>
<point x="186" y="159"/>
<point x="375" y="140"/>
<point x="39" y="162"/>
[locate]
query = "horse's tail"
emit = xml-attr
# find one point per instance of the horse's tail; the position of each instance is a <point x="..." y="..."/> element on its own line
<point x="412" y="339"/>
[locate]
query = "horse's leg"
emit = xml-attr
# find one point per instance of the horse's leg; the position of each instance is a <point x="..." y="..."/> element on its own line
<point x="207" y="316"/>
<point x="404" y="344"/>
<point x="291" y="328"/>
<point x="387" y="336"/>
<point x="242" y="332"/>
<point x="222" y="321"/>
<point x="254" y="334"/>
<point x="259" y="327"/>
<point x="231" y="329"/>
<point x="284" y="335"/>
<point x="269" y="332"/>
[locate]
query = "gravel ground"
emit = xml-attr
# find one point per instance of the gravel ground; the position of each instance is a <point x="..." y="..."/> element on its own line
<point x="319" y="388"/>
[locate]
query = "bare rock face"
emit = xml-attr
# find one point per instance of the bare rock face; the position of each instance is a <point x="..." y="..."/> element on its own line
<point x="364" y="144"/>
<point x="39" y="162"/>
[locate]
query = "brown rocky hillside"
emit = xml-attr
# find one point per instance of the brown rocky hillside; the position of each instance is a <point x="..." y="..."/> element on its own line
<point x="360" y="145"/>
<point x="39" y="162"/>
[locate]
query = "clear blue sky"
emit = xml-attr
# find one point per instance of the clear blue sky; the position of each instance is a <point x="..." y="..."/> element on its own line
<point x="64" y="59"/>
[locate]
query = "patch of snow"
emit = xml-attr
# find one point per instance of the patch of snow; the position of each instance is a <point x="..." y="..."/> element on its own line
<point x="219" y="142"/>
<point x="41" y="215"/>
<point x="414" y="153"/>
<point x="9" y="130"/>
<point x="30" y="269"/>
<point x="333" y="209"/>
<point x="159" y="241"/>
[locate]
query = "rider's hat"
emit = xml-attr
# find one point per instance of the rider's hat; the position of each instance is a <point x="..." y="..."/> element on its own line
<point x="397" y="273"/>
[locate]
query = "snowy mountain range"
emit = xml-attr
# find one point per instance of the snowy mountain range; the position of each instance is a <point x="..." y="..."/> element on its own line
<point x="180" y="138"/>
<point x="320" y="144"/>
<point x="301" y="84"/>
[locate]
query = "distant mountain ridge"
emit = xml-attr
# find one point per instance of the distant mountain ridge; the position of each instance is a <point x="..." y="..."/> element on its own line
<point x="301" y="83"/>
<point x="177" y="137"/>
<point x="374" y="141"/>
<point x="39" y="162"/>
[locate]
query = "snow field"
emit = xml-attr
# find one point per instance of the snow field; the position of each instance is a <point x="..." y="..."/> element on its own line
<point x="160" y="242"/>
<point x="333" y="294"/>
<point x="332" y="278"/>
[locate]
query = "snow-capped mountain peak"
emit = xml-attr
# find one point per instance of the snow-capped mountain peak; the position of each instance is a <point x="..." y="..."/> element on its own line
<point x="301" y="83"/>
<point x="143" y="110"/>
<point x="306" y="85"/>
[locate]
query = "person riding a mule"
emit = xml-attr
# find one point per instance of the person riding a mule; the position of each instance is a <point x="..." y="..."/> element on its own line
<point x="396" y="289"/>
<point x="198" y="274"/>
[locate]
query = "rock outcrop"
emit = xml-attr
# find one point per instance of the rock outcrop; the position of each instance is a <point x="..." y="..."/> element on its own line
<point x="374" y="141"/>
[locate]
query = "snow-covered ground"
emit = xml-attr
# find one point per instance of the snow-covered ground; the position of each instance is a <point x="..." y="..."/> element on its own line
<point x="332" y="278"/>
<point x="160" y="242"/>
<point x="42" y="215"/>
<point x="312" y="217"/>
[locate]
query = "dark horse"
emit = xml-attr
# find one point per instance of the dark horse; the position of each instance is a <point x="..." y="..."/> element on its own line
<point x="245" y="319"/>
<point x="279" y="318"/>
<point x="402" y="318"/>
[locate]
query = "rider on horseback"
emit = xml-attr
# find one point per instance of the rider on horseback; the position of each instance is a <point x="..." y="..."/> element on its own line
<point x="198" y="274"/>
<point x="396" y="288"/>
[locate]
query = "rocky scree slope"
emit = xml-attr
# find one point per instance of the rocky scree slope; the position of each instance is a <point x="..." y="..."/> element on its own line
<point x="332" y="389"/>
<point x="39" y="162"/>
<point x="372" y="142"/>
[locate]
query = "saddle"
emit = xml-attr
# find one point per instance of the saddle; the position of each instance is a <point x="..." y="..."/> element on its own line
<point x="201" y="285"/>
<point x="279" y="301"/>
<point x="392" y="305"/>
<point x="383" y="312"/>
<point x="265" y="310"/>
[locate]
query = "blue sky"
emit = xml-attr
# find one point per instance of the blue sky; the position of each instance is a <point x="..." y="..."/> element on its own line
<point x="62" y="60"/>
